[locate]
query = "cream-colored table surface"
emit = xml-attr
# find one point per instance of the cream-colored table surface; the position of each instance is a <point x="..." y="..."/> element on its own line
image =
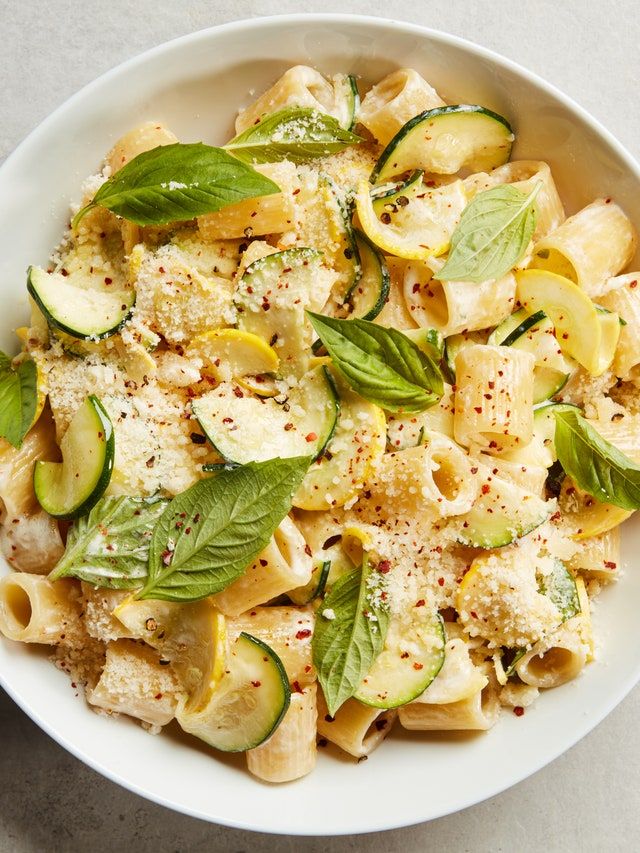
<point x="588" y="800"/>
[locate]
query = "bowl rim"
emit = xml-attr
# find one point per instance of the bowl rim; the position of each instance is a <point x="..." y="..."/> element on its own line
<point x="24" y="148"/>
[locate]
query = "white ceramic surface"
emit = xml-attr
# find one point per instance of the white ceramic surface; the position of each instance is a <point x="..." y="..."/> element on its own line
<point x="194" y="84"/>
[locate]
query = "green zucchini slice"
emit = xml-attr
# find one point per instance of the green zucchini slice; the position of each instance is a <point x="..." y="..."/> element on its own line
<point x="412" y="656"/>
<point x="72" y="487"/>
<point x="445" y="140"/>
<point x="249" y="703"/>
<point x="535" y="333"/>
<point x="346" y="100"/>
<point x="83" y="313"/>
<point x="244" y="428"/>
<point x="369" y="294"/>
<point x="502" y="513"/>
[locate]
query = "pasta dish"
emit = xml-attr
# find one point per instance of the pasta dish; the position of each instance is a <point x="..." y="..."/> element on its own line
<point x="328" y="429"/>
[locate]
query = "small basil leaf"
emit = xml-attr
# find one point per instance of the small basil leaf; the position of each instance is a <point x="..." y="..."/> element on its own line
<point x="18" y="399"/>
<point x="110" y="546"/>
<point x="595" y="465"/>
<point x="210" y="534"/>
<point x="298" y="134"/>
<point x="560" y="586"/>
<point x="382" y="365"/>
<point x="492" y="235"/>
<point x="177" y="182"/>
<point x="349" y="635"/>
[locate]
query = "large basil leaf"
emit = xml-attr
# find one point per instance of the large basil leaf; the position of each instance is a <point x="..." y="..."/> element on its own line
<point x="110" y="546"/>
<point x="298" y="134"/>
<point x="176" y="182"/>
<point x="492" y="235"/>
<point x="595" y="465"/>
<point x="349" y="634"/>
<point x="18" y="399"/>
<point x="209" y="534"/>
<point x="382" y="365"/>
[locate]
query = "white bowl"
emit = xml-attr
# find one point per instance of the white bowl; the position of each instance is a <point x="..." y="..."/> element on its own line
<point x="195" y="84"/>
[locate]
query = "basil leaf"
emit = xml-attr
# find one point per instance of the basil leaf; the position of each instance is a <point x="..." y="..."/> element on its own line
<point x="492" y="235"/>
<point x="210" y="534"/>
<point x="175" y="182"/>
<point x="560" y="586"/>
<point x="18" y="399"/>
<point x="595" y="465"/>
<point x="347" y="641"/>
<point x="299" y="134"/>
<point x="382" y="365"/>
<point x="110" y="546"/>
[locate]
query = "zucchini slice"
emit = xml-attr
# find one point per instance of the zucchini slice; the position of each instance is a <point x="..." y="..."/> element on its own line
<point x="81" y="313"/>
<point x="70" y="488"/>
<point x="369" y="294"/>
<point x="535" y="333"/>
<point x="587" y="516"/>
<point x="412" y="656"/>
<point x="245" y="429"/>
<point x="316" y="586"/>
<point x="502" y="513"/>
<point x="359" y="441"/>
<point x="249" y="702"/>
<point x="582" y="332"/>
<point x="387" y="198"/>
<point x="271" y="298"/>
<point x="338" y="241"/>
<point x="232" y="354"/>
<point x="452" y="346"/>
<point x="445" y="140"/>
<point x="191" y="635"/>
<point x="346" y="100"/>
<point x="417" y="230"/>
<point x="544" y="426"/>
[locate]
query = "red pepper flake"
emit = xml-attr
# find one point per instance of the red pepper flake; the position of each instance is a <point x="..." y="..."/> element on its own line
<point x="474" y="614"/>
<point x="256" y="683"/>
<point x="518" y="711"/>
<point x="485" y="489"/>
<point x="158" y="696"/>
<point x="307" y="550"/>
<point x="384" y="566"/>
<point x="417" y="665"/>
<point x="474" y="470"/>
<point x="478" y="409"/>
<point x="307" y="668"/>
<point x="167" y="556"/>
<point x="303" y="634"/>
<point x="492" y="385"/>
<point x="288" y="427"/>
<point x="610" y="565"/>
<point x="238" y="392"/>
<point x="419" y="603"/>
<point x="227" y="420"/>
<point x="264" y="563"/>
<point x="441" y="581"/>
<point x="493" y="444"/>
<point x="404" y="655"/>
<point x="312" y="436"/>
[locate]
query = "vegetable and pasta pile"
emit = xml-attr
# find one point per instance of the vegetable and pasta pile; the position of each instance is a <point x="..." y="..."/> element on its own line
<point x="330" y="427"/>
